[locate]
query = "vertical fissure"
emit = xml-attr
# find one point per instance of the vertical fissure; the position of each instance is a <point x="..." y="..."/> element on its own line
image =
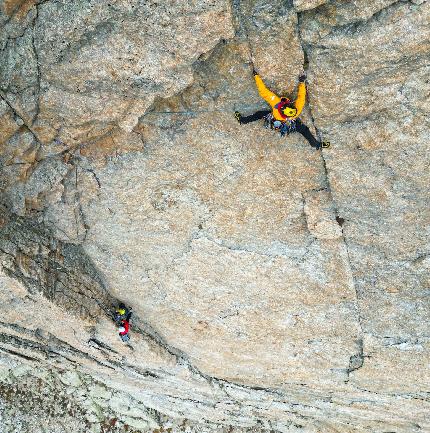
<point x="241" y="28"/>
<point x="327" y="185"/>
<point x="38" y="74"/>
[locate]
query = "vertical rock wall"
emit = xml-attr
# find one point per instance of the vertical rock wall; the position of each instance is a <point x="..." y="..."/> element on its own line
<point x="378" y="170"/>
<point x="273" y="287"/>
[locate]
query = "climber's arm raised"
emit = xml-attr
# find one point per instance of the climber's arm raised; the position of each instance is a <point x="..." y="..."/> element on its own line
<point x="301" y="95"/>
<point x="270" y="97"/>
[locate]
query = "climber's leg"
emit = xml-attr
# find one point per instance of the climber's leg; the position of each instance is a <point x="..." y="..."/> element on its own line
<point x="253" y="117"/>
<point x="304" y="130"/>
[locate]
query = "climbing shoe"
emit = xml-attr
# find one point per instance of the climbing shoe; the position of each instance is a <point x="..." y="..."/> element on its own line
<point x="322" y="145"/>
<point x="238" y="116"/>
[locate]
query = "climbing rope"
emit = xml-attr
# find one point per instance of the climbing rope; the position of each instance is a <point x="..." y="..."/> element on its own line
<point x="193" y="112"/>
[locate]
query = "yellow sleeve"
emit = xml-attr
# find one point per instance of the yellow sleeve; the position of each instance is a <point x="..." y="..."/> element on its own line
<point x="301" y="98"/>
<point x="270" y="97"/>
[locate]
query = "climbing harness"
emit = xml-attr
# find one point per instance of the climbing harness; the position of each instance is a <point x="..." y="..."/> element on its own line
<point x="284" y="128"/>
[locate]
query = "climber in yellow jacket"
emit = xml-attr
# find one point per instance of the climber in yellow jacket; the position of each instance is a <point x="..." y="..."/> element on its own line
<point x="284" y="115"/>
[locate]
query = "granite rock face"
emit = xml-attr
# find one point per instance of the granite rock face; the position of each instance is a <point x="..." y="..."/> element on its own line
<point x="303" y="5"/>
<point x="274" y="287"/>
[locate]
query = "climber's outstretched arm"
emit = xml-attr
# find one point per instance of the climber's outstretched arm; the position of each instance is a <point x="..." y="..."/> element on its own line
<point x="270" y="97"/>
<point x="301" y="98"/>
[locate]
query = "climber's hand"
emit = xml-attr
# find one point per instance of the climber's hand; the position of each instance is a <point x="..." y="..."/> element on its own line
<point x="302" y="78"/>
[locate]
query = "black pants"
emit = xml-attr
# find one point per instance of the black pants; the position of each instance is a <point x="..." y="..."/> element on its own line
<point x="300" y="127"/>
<point x="253" y="117"/>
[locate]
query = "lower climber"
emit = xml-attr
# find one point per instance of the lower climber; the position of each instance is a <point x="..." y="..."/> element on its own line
<point x="122" y="313"/>
<point x="123" y="330"/>
<point x="284" y="115"/>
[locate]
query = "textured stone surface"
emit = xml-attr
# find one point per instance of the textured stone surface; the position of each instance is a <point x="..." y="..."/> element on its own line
<point x="302" y="5"/>
<point x="382" y="151"/>
<point x="273" y="287"/>
<point x="98" y="380"/>
<point x="81" y="69"/>
<point x="242" y="252"/>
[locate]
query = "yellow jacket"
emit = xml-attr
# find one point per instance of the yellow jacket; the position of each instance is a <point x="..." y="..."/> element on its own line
<point x="273" y="100"/>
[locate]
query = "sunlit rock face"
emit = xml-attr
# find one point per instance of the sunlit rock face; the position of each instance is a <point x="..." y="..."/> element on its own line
<point x="274" y="287"/>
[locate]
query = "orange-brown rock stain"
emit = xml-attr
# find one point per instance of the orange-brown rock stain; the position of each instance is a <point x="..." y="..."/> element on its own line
<point x="33" y="204"/>
<point x="8" y="127"/>
<point x="18" y="8"/>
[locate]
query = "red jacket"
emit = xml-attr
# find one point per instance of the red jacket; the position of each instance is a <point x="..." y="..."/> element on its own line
<point x="126" y="326"/>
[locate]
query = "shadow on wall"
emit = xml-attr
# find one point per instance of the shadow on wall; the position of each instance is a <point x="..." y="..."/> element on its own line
<point x="62" y="272"/>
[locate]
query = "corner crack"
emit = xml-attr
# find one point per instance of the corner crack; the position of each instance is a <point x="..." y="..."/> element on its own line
<point x="326" y="185"/>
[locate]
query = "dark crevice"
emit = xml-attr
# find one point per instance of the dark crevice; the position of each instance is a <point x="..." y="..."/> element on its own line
<point x="95" y="177"/>
<point x="36" y="88"/>
<point x="20" y="116"/>
<point x="326" y="185"/>
<point x="100" y="345"/>
<point x="356" y="361"/>
<point x="80" y="219"/>
<point x="38" y="74"/>
<point x="340" y="220"/>
<point x="13" y="38"/>
<point x="48" y="346"/>
<point x="306" y="64"/>
<point x="18" y="354"/>
<point x="241" y="27"/>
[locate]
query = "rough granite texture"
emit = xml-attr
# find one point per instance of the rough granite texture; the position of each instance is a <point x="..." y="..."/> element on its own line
<point x="274" y="287"/>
